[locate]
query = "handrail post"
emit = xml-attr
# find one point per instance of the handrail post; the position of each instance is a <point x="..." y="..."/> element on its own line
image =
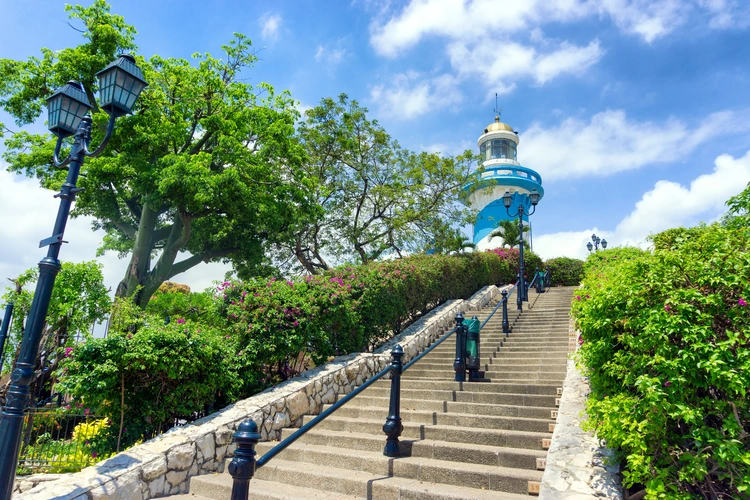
<point x="547" y="276"/>
<point x="472" y="347"/>
<point x="506" y="323"/>
<point x="242" y="466"/>
<point x="393" y="426"/>
<point x="519" y="293"/>
<point x="459" y="365"/>
<point x="4" y="331"/>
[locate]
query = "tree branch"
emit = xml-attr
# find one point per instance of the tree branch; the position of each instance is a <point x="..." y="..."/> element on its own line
<point x="194" y="260"/>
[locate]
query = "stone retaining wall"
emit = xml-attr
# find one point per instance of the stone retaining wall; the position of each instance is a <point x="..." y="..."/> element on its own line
<point x="578" y="465"/>
<point x="164" y="465"/>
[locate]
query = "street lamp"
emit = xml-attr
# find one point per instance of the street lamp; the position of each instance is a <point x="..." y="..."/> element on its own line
<point x="507" y="201"/>
<point x="596" y="241"/>
<point x="120" y="83"/>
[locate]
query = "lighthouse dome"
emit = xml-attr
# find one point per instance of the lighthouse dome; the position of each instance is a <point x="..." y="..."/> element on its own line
<point x="498" y="125"/>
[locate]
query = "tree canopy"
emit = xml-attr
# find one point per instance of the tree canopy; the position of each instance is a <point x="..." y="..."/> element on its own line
<point x="205" y="169"/>
<point x="375" y="197"/>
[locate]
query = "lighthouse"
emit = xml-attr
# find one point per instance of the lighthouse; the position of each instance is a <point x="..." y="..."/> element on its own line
<point x="500" y="173"/>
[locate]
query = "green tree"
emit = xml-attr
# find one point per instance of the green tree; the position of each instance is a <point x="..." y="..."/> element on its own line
<point x="508" y="231"/>
<point x="79" y="300"/>
<point x="375" y="196"/>
<point x="738" y="215"/>
<point x="206" y="166"/>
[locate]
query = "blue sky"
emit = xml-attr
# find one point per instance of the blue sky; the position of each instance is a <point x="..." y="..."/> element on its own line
<point x="635" y="112"/>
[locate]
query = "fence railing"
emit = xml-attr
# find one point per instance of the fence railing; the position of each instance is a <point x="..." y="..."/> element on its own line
<point x="57" y="440"/>
<point x="244" y="464"/>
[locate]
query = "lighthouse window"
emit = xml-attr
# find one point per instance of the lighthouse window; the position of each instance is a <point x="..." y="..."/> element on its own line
<point x="483" y="150"/>
<point x="503" y="148"/>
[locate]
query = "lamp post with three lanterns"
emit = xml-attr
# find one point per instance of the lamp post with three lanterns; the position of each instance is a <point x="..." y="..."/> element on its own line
<point x="597" y="241"/>
<point x="507" y="202"/>
<point x="120" y="84"/>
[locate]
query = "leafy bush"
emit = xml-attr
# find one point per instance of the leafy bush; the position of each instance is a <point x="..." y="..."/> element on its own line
<point x="349" y="309"/>
<point x="175" y="301"/>
<point x="565" y="271"/>
<point x="532" y="263"/>
<point x="258" y="333"/>
<point x="163" y="372"/>
<point x="666" y="343"/>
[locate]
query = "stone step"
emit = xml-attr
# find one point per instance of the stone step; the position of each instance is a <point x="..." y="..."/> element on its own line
<point x="530" y="440"/>
<point x="473" y="386"/>
<point x="441" y="418"/>
<point x="439" y="450"/>
<point x="468" y="397"/>
<point x="219" y="487"/>
<point x="413" y="453"/>
<point x="453" y="407"/>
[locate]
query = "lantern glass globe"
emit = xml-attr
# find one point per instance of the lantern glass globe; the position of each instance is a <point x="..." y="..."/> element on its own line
<point x="66" y="108"/>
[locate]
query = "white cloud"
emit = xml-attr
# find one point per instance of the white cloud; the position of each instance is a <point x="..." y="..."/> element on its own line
<point x="670" y="204"/>
<point x="500" y="64"/>
<point x="727" y="14"/>
<point x="473" y="21"/>
<point x="466" y="21"/>
<point x="25" y="227"/>
<point x="567" y="243"/>
<point x="329" y="56"/>
<point x="611" y="143"/>
<point x="667" y="205"/>
<point x="452" y="148"/>
<point x="270" y="24"/>
<point x="409" y="95"/>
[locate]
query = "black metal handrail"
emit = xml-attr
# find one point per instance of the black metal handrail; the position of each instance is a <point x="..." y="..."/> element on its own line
<point x="531" y="285"/>
<point x="429" y="349"/>
<point x="243" y="465"/>
<point x="312" y="423"/>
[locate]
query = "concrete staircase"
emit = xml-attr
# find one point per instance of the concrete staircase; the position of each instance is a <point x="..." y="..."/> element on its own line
<point x="460" y="440"/>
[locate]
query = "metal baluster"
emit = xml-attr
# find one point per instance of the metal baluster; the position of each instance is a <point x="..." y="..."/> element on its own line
<point x="459" y="365"/>
<point x="506" y="323"/>
<point x="242" y="466"/>
<point x="393" y="426"/>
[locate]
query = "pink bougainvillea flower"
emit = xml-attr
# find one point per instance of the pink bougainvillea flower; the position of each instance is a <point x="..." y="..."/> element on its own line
<point x="667" y="383"/>
<point x="742" y="302"/>
<point x="180" y="321"/>
<point x="667" y="307"/>
<point x="580" y="340"/>
<point x="578" y="297"/>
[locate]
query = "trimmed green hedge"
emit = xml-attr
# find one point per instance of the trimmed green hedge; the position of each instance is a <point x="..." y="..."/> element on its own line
<point x="666" y="343"/>
<point x="565" y="271"/>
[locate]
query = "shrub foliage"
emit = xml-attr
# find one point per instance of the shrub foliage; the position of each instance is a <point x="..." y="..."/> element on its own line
<point x="252" y="334"/>
<point x="565" y="271"/>
<point x="666" y="338"/>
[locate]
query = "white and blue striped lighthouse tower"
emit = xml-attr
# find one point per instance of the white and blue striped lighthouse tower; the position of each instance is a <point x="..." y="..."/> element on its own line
<point x="501" y="173"/>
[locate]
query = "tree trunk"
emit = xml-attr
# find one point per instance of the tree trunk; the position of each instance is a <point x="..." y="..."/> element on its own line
<point x="137" y="271"/>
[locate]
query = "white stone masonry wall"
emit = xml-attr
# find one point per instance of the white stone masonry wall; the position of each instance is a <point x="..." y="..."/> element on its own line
<point x="578" y="464"/>
<point x="165" y="464"/>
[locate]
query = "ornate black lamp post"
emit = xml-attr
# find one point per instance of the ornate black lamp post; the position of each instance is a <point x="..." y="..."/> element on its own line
<point x="120" y="84"/>
<point x="597" y="241"/>
<point x="507" y="201"/>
